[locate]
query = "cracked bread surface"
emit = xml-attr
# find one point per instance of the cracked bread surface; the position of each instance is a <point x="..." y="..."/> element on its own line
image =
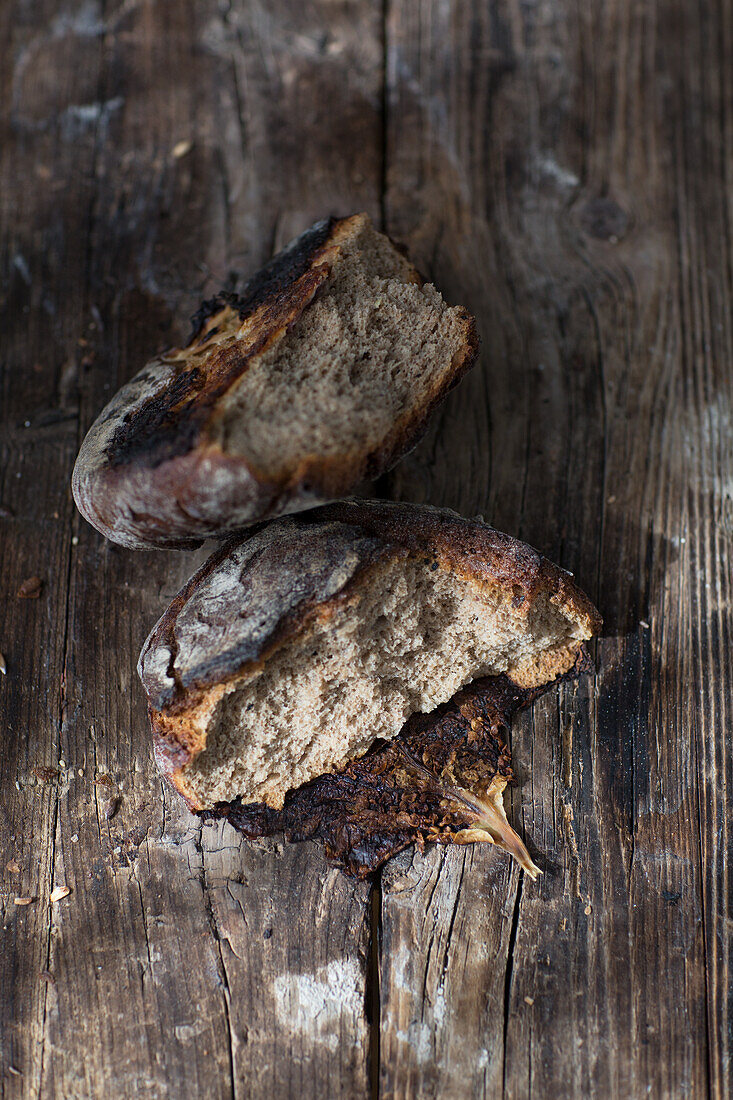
<point x="293" y="649"/>
<point x="321" y="374"/>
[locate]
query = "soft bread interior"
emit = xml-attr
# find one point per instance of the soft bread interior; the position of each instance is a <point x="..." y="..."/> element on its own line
<point x="371" y="347"/>
<point x="411" y="636"/>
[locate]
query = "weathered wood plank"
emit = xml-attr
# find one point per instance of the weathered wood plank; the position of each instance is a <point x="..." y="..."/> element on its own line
<point x="174" y="142"/>
<point x="294" y="940"/>
<point x="298" y="997"/>
<point x="120" y="1009"/>
<point x="304" y="129"/>
<point x="43" y="232"/>
<point x="446" y="929"/>
<point x="558" y="187"/>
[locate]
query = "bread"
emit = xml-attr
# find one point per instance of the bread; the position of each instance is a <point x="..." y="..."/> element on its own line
<point x="295" y="647"/>
<point x="441" y="780"/>
<point x="321" y="374"/>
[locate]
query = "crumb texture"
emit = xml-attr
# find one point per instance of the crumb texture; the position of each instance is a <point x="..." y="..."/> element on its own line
<point x="371" y="348"/>
<point x="411" y="635"/>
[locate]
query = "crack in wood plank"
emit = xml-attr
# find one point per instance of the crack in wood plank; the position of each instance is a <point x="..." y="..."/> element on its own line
<point x="508" y="972"/>
<point x="373" y="999"/>
<point x="226" y="993"/>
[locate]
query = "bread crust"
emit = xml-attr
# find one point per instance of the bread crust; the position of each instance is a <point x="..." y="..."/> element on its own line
<point x="285" y="575"/>
<point x="150" y="472"/>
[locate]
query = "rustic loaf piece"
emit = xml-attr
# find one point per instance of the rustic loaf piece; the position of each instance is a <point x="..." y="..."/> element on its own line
<point x="321" y="374"/>
<point x="295" y="647"/>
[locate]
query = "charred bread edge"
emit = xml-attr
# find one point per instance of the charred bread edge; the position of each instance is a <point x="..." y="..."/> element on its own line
<point x="281" y="290"/>
<point x="468" y="548"/>
<point x="284" y="268"/>
<point x="167" y="455"/>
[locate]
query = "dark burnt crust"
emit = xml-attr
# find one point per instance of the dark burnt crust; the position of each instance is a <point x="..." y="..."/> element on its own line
<point x="271" y="280"/>
<point x="382" y="530"/>
<point x="171" y="421"/>
<point x="375" y="806"/>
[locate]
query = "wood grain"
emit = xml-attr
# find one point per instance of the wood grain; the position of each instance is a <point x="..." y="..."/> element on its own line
<point x="112" y="234"/>
<point x="566" y="171"/>
<point x="550" y="164"/>
<point x="294" y="940"/>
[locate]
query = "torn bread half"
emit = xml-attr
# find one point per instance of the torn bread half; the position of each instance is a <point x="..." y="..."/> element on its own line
<point x="296" y="647"/>
<point x="321" y="374"/>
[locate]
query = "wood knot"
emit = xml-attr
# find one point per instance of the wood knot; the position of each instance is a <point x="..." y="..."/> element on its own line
<point x="604" y="219"/>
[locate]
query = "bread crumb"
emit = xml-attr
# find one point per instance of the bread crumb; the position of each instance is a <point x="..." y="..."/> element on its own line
<point x="30" y="588"/>
<point x="112" y="807"/>
<point x="529" y="1000"/>
<point x="182" y="148"/>
<point x="23" y="901"/>
<point x="13" y="867"/>
<point x="44" y="774"/>
<point x="59" y="892"/>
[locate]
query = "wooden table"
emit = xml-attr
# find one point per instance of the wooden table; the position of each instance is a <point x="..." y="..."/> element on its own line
<point x="565" y="170"/>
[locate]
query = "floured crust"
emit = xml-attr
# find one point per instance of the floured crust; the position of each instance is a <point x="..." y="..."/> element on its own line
<point x="258" y="591"/>
<point x="151" y="472"/>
